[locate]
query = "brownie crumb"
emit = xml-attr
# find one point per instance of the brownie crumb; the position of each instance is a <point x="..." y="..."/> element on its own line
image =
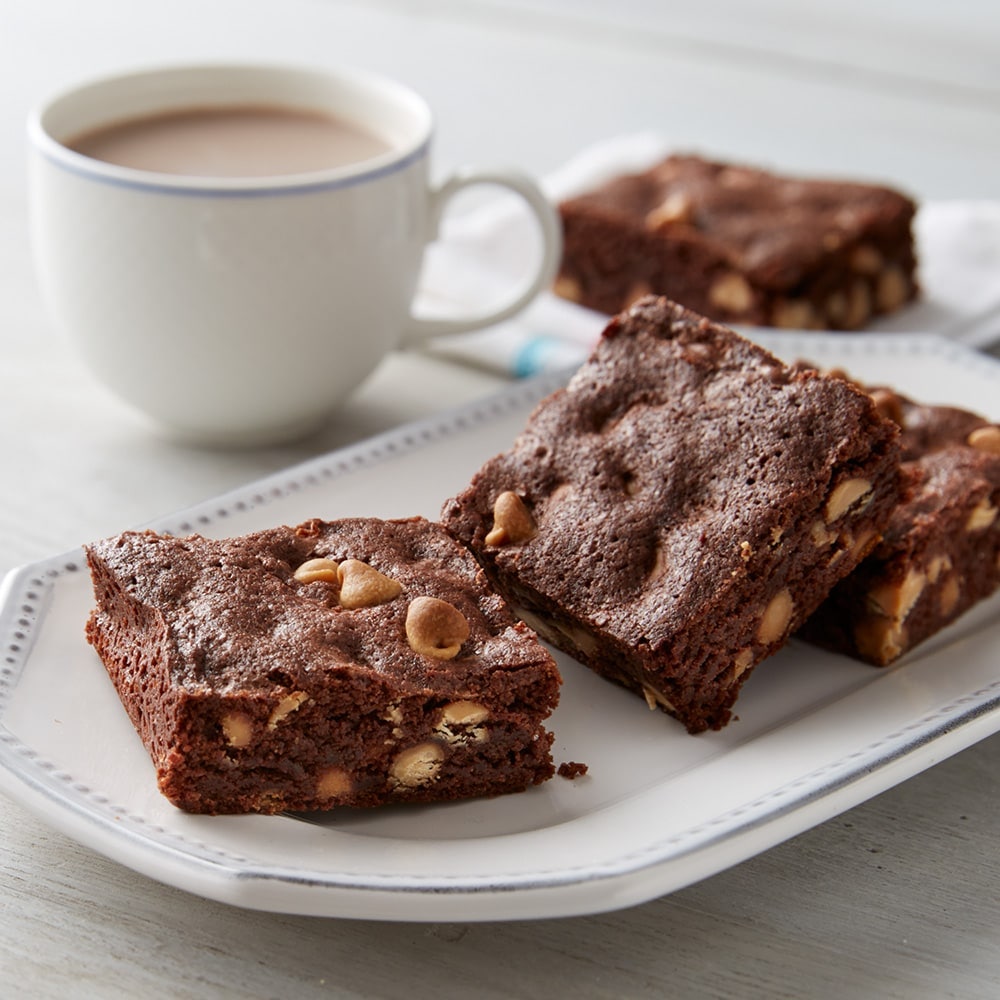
<point x="571" y="770"/>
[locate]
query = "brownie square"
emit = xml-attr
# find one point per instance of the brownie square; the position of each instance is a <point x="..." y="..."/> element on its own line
<point x="353" y="662"/>
<point x="940" y="552"/>
<point x="741" y="245"/>
<point x="681" y="507"/>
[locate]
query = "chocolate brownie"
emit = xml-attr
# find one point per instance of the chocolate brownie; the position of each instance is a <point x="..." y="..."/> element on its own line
<point x="741" y="245"/>
<point x="939" y="554"/>
<point x="352" y="662"/>
<point x="675" y="512"/>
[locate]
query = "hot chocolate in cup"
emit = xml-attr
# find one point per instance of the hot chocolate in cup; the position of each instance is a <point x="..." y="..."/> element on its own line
<point x="232" y="249"/>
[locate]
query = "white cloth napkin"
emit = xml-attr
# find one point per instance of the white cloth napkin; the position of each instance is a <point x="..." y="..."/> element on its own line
<point x="484" y="253"/>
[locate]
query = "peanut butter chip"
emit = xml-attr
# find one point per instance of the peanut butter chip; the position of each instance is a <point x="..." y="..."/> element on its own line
<point x="656" y="699"/>
<point x="290" y="703"/>
<point x="568" y="288"/>
<point x="948" y="598"/>
<point x="880" y="640"/>
<point x="821" y="535"/>
<point x="363" y="586"/>
<point x="985" y="439"/>
<point x="742" y="662"/>
<point x="512" y="521"/>
<point x="732" y="292"/>
<point x="794" y="314"/>
<point x="461" y="722"/>
<point x="416" y="766"/>
<point x="891" y="289"/>
<point x="938" y="565"/>
<point x="982" y="516"/>
<point x="845" y="496"/>
<point x="676" y="208"/>
<point x="896" y="600"/>
<point x="776" y="618"/>
<point x="237" y="728"/>
<point x="464" y="713"/>
<point x="318" y="569"/>
<point x="435" y="628"/>
<point x="333" y="782"/>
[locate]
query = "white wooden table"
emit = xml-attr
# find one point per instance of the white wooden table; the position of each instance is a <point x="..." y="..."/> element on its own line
<point x="897" y="898"/>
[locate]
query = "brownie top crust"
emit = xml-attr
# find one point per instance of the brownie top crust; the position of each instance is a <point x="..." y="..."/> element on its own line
<point x="678" y="455"/>
<point x="927" y="428"/>
<point x="774" y="229"/>
<point x="951" y="457"/>
<point x="240" y="613"/>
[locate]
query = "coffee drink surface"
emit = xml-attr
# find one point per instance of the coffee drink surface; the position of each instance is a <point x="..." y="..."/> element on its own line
<point x="240" y="141"/>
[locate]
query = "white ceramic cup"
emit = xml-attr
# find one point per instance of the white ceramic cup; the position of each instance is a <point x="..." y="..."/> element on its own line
<point x="240" y="310"/>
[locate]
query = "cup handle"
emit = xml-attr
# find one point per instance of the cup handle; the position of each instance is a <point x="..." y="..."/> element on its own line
<point x="422" y="329"/>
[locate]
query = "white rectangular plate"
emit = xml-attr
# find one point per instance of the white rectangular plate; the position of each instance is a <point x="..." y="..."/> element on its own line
<point x="657" y="810"/>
